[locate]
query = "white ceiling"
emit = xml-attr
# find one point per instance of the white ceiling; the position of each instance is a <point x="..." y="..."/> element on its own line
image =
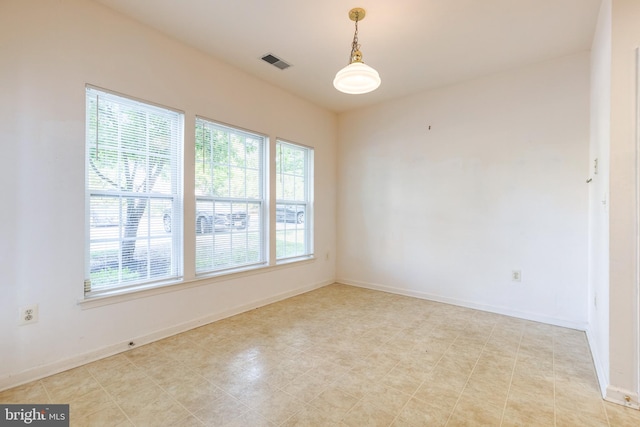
<point x="414" y="44"/>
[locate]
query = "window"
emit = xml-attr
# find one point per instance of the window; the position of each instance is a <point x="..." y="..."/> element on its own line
<point x="294" y="184"/>
<point x="230" y="231"/>
<point x="134" y="193"/>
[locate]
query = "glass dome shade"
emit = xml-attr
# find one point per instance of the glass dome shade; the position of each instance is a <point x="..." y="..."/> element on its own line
<point x="357" y="78"/>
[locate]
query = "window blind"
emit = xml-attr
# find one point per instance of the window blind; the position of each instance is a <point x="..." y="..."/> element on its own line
<point x="294" y="190"/>
<point x="134" y="192"/>
<point x="230" y="175"/>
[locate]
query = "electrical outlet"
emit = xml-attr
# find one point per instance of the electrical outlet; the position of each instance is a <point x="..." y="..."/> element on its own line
<point x="516" y="276"/>
<point x="28" y="314"/>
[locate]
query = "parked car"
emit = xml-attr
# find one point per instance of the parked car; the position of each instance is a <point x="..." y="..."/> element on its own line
<point x="290" y="213"/>
<point x="206" y="223"/>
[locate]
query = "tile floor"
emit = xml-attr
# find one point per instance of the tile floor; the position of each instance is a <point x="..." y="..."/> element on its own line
<point x="343" y="356"/>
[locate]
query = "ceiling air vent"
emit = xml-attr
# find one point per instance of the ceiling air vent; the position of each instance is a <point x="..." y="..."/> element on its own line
<point x="275" y="61"/>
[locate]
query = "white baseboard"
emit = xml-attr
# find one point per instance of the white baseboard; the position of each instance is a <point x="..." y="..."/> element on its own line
<point x="622" y="397"/>
<point x="14" y="380"/>
<point x="581" y="326"/>
<point x="601" y="372"/>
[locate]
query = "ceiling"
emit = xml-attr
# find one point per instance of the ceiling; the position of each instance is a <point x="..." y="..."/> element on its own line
<point x="415" y="45"/>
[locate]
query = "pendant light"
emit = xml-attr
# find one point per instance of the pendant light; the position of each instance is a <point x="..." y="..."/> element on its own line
<point x="357" y="77"/>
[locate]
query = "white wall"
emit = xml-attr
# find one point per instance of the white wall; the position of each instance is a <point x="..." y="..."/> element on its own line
<point x="49" y="50"/>
<point x="624" y="357"/>
<point x="497" y="184"/>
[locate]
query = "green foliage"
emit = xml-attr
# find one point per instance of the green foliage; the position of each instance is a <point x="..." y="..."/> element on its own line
<point x="290" y="159"/>
<point x="226" y="250"/>
<point x="129" y="147"/>
<point x="227" y="162"/>
<point x="290" y="243"/>
<point x="109" y="276"/>
<point x="291" y="163"/>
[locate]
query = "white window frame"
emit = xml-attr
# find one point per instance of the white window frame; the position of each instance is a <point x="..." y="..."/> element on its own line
<point x="304" y="203"/>
<point x="174" y="197"/>
<point x="239" y="232"/>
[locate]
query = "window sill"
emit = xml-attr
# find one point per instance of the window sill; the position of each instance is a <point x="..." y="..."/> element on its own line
<point x="295" y="260"/>
<point x="124" y="295"/>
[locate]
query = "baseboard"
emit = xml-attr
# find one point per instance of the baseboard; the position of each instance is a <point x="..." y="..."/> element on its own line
<point x="40" y="372"/>
<point x="581" y="326"/>
<point x="601" y="372"/>
<point x="622" y="397"/>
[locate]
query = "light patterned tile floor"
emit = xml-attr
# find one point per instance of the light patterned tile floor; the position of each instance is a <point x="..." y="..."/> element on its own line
<point x="343" y="356"/>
